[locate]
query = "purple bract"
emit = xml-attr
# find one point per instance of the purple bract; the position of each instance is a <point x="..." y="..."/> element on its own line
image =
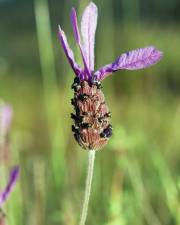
<point x="132" y="60"/>
<point x="12" y="181"/>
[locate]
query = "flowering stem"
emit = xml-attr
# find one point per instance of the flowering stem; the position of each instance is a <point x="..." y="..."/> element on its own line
<point x="91" y="157"/>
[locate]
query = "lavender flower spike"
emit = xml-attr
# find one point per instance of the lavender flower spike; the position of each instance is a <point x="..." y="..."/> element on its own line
<point x="12" y="181"/>
<point x="92" y="128"/>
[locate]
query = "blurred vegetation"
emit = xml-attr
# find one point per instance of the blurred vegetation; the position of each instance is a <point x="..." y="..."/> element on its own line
<point x="136" y="178"/>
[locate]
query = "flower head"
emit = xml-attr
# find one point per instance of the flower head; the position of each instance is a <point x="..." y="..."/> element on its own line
<point x="92" y="127"/>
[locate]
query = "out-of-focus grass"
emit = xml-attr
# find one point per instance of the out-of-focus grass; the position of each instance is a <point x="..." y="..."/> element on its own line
<point x="137" y="174"/>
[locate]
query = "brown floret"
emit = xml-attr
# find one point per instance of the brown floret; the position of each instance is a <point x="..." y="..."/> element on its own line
<point x="91" y="127"/>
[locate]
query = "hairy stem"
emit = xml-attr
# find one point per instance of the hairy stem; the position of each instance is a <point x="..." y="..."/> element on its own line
<point x="91" y="157"/>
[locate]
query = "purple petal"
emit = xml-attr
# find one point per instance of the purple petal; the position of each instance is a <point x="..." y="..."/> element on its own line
<point x="138" y="59"/>
<point x="88" y="29"/>
<point x="5" y="119"/>
<point x="69" y="53"/>
<point x="103" y="72"/>
<point x="133" y="60"/>
<point x="75" y="26"/>
<point x="12" y="180"/>
<point x="77" y="36"/>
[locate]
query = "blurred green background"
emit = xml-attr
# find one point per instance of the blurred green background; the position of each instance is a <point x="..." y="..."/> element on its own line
<point x="136" y="179"/>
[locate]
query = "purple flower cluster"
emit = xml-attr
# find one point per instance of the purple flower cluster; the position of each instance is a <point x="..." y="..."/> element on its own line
<point x="132" y="60"/>
<point x="5" y="121"/>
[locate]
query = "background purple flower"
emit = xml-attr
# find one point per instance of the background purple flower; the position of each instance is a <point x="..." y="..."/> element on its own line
<point x="5" y="119"/>
<point x="10" y="184"/>
<point x="5" y="122"/>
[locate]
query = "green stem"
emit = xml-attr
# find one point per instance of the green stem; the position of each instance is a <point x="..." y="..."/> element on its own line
<point x="46" y="54"/>
<point x="91" y="157"/>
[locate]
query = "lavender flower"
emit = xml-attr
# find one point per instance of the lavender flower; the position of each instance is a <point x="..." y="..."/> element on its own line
<point x="92" y="127"/>
<point x="5" y="119"/>
<point x="5" y="122"/>
<point x="3" y="195"/>
<point x="9" y="187"/>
